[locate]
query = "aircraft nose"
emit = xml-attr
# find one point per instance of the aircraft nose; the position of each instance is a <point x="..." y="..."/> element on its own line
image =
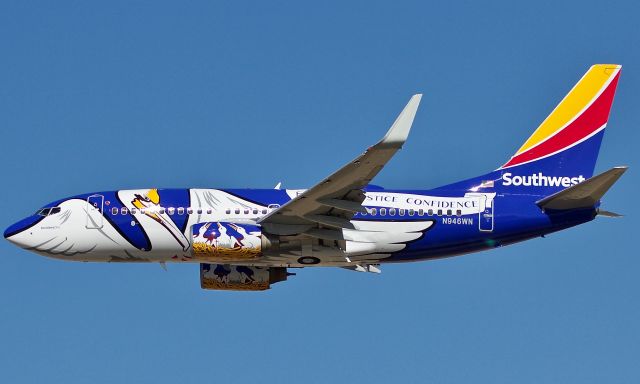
<point x="14" y="238"/>
<point x="19" y="233"/>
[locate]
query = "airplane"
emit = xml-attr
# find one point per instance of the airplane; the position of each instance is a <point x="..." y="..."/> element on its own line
<point x="248" y="239"/>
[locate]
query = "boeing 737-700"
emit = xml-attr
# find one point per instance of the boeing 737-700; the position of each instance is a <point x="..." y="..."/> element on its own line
<point x="246" y="239"/>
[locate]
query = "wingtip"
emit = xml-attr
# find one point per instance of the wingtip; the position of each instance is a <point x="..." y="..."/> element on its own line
<point x="415" y="99"/>
<point x="399" y="131"/>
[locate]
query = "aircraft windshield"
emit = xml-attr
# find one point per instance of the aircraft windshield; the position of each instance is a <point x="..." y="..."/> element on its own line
<point x="48" y="211"/>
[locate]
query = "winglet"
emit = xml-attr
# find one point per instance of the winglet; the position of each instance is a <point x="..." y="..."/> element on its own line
<point x="399" y="131"/>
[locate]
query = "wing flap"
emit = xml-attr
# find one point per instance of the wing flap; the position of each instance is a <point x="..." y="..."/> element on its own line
<point x="346" y="205"/>
<point x="364" y="236"/>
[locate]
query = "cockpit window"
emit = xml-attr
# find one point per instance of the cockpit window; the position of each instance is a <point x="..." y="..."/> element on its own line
<point x="48" y="211"/>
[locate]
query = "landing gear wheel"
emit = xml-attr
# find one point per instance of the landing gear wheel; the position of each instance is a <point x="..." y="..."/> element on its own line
<point x="308" y="260"/>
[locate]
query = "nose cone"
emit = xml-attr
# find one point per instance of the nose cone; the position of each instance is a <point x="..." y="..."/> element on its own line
<point x="18" y="233"/>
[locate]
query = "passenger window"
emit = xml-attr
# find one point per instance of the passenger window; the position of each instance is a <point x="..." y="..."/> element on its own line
<point x="430" y="212"/>
<point x="199" y="211"/>
<point x="458" y="213"/>
<point x="114" y="211"/>
<point x="383" y="211"/>
<point x="189" y="210"/>
<point x="246" y="211"/>
<point x="161" y="211"/>
<point x="228" y="211"/>
<point x="171" y="210"/>
<point x="392" y="212"/>
<point x="123" y="210"/>
<point x="402" y="212"/>
<point x="209" y="211"/>
<point x="420" y="212"/>
<point x="264" y="211"/>
<point x="134" y="211"/>
<point x="255" y="211"/>
<point x="412" y="212"/>
<point x="439" y="212"/>
<point x="237" y="211"/>
<point x="180" y="210"/>
<point x="449" y="212"/>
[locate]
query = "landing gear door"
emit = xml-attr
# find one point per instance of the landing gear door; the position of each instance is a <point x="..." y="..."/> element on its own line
<point x="95" y="206"/>
<point x="486" y="213"/>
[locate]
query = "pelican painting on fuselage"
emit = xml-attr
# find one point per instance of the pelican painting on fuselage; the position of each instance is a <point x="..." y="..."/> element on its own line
<point x="248" y="239"/>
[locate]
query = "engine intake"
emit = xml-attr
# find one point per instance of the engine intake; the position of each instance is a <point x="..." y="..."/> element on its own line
<point x="222" y="241"/>
<point x="239" y="277"/>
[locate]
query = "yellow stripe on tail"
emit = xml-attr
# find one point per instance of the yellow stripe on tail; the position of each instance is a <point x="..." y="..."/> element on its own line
<point x="579" y="98"/>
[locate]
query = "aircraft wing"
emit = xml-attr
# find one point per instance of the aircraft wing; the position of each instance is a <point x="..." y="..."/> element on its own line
<point x="333" y="202"/>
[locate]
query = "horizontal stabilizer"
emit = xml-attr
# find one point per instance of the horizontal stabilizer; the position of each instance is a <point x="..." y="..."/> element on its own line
<point x="604" y="213"/>
<point x="585" y="194"/>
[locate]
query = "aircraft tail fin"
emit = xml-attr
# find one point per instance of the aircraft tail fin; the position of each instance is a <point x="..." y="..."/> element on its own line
<point x="583" y="195"/>
<point x="563" y="150"/>
<point x="580" y="116"/>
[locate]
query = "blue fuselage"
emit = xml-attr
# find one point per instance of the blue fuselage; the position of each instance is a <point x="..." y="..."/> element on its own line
<point x="453" y="222"/>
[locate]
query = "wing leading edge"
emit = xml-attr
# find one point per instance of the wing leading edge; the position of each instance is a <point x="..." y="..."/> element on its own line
<point x="333" y="202"/>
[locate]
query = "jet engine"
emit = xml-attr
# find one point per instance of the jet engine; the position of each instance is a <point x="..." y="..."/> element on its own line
<point x="222" y="241"/>
<point x="239" y="277"/>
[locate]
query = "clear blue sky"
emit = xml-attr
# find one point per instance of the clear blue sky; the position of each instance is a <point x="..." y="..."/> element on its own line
<point x="113" y="95"/>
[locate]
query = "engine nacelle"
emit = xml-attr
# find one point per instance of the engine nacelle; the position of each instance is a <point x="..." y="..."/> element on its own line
<point x="222" y="241"/>
<point x="239" y="277"/>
